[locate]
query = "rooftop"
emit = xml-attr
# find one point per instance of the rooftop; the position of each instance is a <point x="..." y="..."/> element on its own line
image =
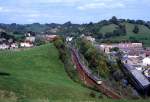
<point x="140" y="77"/>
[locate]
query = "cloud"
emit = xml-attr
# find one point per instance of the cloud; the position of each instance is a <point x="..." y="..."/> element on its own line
<point x="73" y="10"/>
<point x="101" y="6"/>
<point x="51" y="1"/>
<point x="59" y="1"/>
<point x="1" y="8"/>
<point x="31" y="20"/>
<point x="4" y="10"/>
<point x="33" y="15"/>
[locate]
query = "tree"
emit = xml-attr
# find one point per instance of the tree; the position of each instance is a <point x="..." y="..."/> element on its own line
<point x="39" y="41"/>
<point x="122" y="29"/>
<point x="99" y="36"/>
<point x="108" y="34"/>
<point x="114" y="20"/>
<point x="102" y="67"/>
<point x="136" y="29"/>
<point x="131" y="21"/>
<point x="97" y="61"/>
<point x="140" y="22"/>
<point x="115" y="49"/>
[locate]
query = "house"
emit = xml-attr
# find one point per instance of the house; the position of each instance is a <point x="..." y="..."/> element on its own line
<point x="50" y="37"/>
<point x="14" y="46"/>
<point x="68" y="39"/>
<point x="26" y="44"/>
<point x="29" y="34"/>
<point x="90" y="38"/>
<point x="4" y="46"/>
<point x="30" y="39"/>
<point x="129" y="45"/>
<point x="106" y="47"/>
<point x="137" y="79"/>
<point x="132" y="48"/>
<point x="146" y="61"/>
<point x="2" y="40"/>
<point x="82" y="36"/>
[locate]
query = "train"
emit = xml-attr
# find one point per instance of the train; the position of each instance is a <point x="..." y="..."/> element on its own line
<point x="88" y="72"/>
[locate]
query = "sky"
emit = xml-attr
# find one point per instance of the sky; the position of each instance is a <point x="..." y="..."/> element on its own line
<point x="76" y="11"/>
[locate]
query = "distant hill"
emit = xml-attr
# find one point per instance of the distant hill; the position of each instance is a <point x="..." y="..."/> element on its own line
<point x="143" y="34"/>
<point x="113" y="29"/>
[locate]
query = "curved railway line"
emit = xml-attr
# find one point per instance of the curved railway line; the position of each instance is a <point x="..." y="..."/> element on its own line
<point x="91" y="80"/>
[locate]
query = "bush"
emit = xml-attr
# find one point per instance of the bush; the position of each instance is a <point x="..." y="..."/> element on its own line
<point x="92" y="94"/>
<point x="65" y="57"/>
<point x="136" y="29"/>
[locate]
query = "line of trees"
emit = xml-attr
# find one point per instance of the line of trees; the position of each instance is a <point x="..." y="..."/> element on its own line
<point x="97" y="61"/>
<point x="65" y="57"/>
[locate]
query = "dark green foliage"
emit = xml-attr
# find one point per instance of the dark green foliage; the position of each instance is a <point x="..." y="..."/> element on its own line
<point x="136" y="29"/>
<point x="118" y="75"/>
<point x="92" y="94"/>
<point x="132" y="39"/>
<point x="65" y="57"/>
<point x="114" y="20"/>
<point x="16" y="33"/>
<point x="131" y="21"/>
<point x="115" y="49"/>
<point x="97" y="61"/>
<point x="6" y="35"/>
<point x="59" y="43"/>
<point x="39" y="42"/>
<point x="141" y="22"/>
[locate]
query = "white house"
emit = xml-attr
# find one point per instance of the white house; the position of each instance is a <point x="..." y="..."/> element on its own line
<point x="31" y="39"/>
<point x="50" y="37"/>
<point x="146" y="61"/>
<point x="14" y="45"/>
<point x="106" y="47"/>
<point x="90" y="38"/>
<point x="3" y="46"/>
<point x="68" y="39"/>
<point x="26" y="44"/>
<point x="82" y="36"/>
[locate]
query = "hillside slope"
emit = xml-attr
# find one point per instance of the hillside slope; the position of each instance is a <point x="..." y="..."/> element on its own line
<point x="143" y="35"/>
<point x="36" y="74"/>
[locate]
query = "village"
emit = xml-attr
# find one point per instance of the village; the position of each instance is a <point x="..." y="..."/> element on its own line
<point x="136" y="61"/>
<point x="29" y="40"/>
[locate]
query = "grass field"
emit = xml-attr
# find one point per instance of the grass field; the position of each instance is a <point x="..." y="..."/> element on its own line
<point x="108" y="28"/>
<point x="36" y="74"/>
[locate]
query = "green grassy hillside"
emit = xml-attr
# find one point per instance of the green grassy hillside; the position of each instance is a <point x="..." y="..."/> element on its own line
<point x="142" y="36"/>
<point x="108" y="28"/>
<point x="36" y="74"/>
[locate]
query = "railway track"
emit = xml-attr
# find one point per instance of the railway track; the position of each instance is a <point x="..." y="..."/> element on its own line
<point x="89" y="81"/>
